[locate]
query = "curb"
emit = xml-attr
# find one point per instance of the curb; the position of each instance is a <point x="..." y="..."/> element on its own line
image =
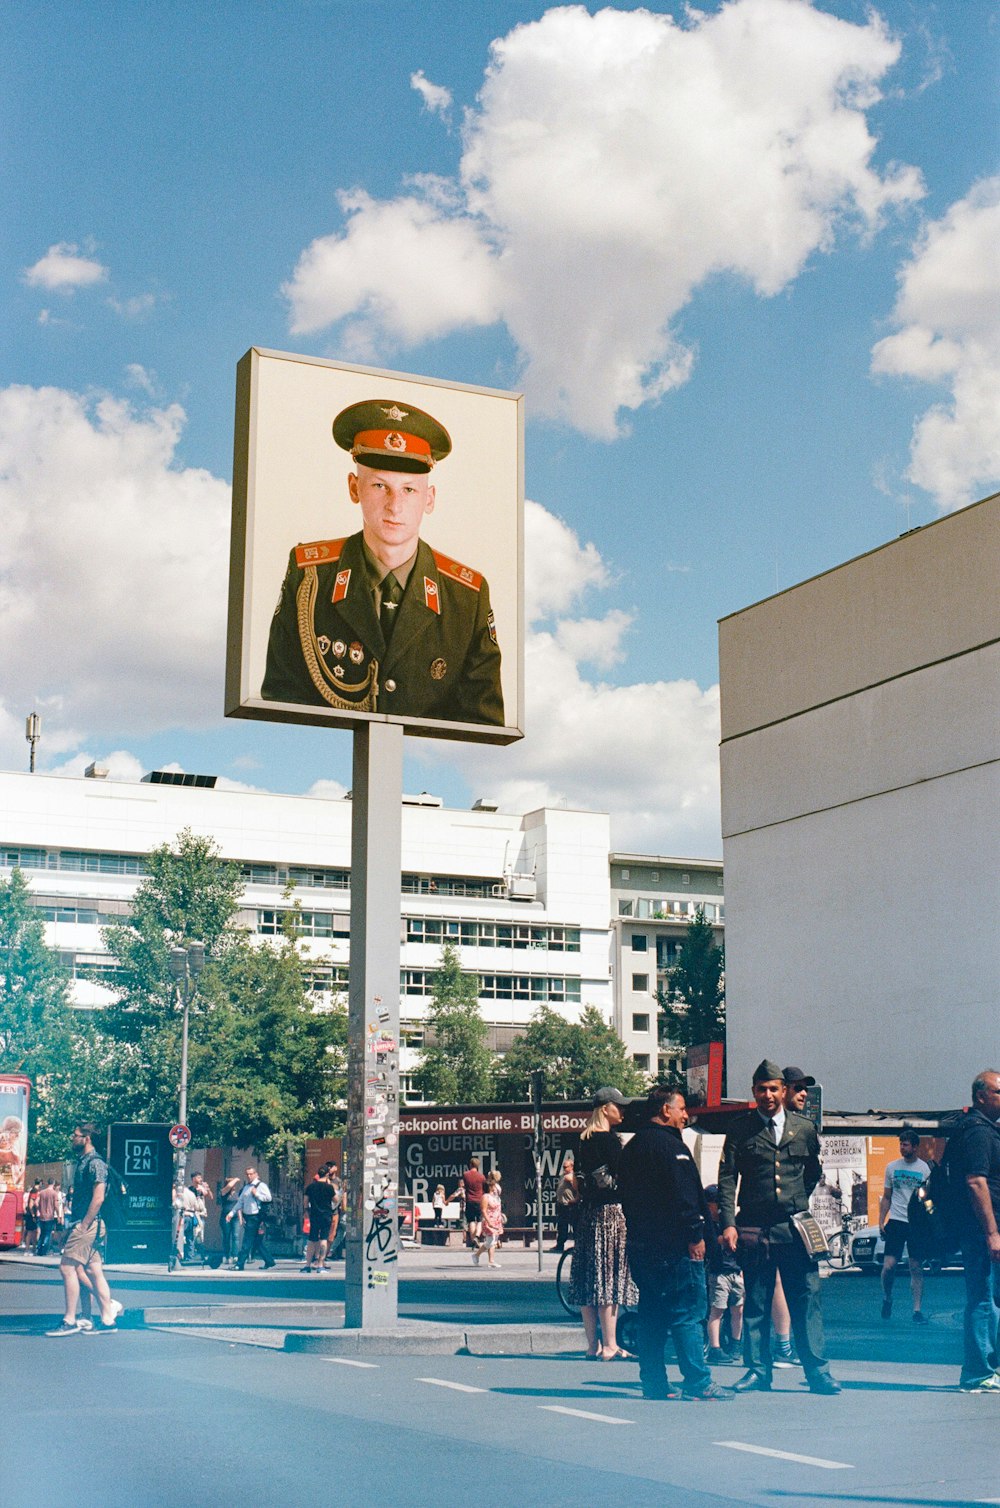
<point x="440" y="1340"/>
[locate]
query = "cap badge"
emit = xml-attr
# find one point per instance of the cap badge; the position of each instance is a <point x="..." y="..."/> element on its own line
<point x="323" y="644"/>
<point x="395" y="441"/>
<point x="439" y="669"/>
<point x="394" y="415"/>
<point x="356" y="653"/>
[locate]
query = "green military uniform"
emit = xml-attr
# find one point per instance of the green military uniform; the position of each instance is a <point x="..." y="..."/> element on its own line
<point x="327" y="649"/>
<point x="775" y="1181"/>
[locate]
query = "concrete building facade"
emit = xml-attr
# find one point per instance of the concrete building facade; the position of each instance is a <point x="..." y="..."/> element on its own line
<point x="861" y="819"/>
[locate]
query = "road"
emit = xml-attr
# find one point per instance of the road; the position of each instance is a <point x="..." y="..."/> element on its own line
<point x="148" y="1417"/>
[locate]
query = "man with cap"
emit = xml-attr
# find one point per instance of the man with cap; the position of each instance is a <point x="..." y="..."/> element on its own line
<point x="797" y="1086"/>
<point x="773" y="1154"/>
<point x="380" y="622"/>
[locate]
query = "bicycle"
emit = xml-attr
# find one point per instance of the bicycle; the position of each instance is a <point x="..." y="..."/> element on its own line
<point x="839" y="1243"/>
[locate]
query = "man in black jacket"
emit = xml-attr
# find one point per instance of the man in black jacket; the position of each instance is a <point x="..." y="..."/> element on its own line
<point x="667" y="1219"/>
<point x="773" y="1154"/>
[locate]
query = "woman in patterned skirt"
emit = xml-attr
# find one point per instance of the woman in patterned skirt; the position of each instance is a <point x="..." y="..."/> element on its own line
<point x="600" y="1279"/>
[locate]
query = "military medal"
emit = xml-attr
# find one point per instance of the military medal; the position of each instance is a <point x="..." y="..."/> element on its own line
<point x="339" y="648"/>
<point x="323" y="644"/>
<point x="439" y="669"/>
<point x="356" y="653"/>
<point x="339" y="672"/>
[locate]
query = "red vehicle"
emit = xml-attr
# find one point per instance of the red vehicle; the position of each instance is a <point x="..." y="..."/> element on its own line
<point x="15" y="1092"/>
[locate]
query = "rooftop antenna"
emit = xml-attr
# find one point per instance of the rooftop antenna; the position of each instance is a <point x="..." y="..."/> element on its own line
<point x="32" y="732"/>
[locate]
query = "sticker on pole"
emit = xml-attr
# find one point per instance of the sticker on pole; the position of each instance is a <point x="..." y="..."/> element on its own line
<point x="179" y="1137"/>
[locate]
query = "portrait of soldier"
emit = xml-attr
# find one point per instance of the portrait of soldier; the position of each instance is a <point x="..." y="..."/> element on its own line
<point x="379" y="621"/>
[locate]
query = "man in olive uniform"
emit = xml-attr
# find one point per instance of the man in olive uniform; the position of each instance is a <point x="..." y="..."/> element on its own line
<point x="774" y="1153"/>
<point x="380" y="622"/>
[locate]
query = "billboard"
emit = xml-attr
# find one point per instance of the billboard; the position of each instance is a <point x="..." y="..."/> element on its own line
<point x="376" y="557"/>
<point x="14" y="1093"/>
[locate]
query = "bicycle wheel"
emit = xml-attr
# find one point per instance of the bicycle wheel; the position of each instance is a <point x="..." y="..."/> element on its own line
<point x="562" y="1283"/>
<point x="840" y="1249"/>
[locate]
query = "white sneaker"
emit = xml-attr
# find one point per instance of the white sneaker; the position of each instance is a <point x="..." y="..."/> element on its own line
<point x="475" y="1258"/>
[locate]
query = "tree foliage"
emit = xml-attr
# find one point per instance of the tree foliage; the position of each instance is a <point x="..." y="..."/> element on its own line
<point x="456" y="1066"/>
<point x="577" y="1058"/>
<point x="692" y="1007"/>
<point x="264" y="1065"/>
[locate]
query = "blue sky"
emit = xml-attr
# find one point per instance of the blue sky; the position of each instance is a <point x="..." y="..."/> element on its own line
<point x="741" y="260"/>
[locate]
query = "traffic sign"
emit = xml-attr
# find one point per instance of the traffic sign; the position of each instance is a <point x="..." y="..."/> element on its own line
<point x="179" y="1137"/>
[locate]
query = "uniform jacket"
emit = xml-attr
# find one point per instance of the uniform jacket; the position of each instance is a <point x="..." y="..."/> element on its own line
<point x="326" y="647"/>
<point x="661" y="1191"/>
<point x="774" y="1181"/>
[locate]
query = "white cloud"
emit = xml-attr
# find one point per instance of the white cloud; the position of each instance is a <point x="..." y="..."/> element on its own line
<point x="327" y="790"/>
<point x="113" y="561"/>
<point x="613" y="163"/>
<point x="436" y="98"/>
<point x="63" y="269"/>
<point x="645" y="752"/>
<point x="136" y="307"/>
<point x="120" y="765"/>
<point x="948" y="313"/>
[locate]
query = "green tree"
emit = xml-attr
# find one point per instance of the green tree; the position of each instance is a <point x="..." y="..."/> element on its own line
<point x="73" y="1072"/>
<point x="456" y="1067"/>
<point x="265" y="1066"/>
<point x="692" y="1007"/>
<point x="576" y="1057"/>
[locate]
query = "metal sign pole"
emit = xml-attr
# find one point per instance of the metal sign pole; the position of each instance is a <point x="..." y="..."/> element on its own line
<point x="373" y="1024"/>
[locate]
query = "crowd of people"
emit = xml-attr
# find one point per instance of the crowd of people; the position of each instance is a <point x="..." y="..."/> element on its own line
<point x="723" y="1271"/>
<point x="743" y="1254"/>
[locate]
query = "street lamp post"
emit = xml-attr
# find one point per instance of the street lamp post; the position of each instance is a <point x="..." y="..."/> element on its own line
<point x="186" y="963"/>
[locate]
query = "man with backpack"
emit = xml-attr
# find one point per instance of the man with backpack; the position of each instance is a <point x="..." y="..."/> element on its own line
<point x="977" y="1158"/>
<point x="252" y="1207"/>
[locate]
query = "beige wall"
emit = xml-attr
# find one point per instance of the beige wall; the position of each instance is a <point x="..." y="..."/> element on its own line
<point x="861" y="820"/>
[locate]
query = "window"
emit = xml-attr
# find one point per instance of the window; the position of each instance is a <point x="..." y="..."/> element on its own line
<point x="640" y="1023"/>
<point x="655" y="875"/>
<point x="640" y="942"/>
<point x="718" y="881"/>
<point x="626" y="874"/>
<point x="685" y="879"/>
<point x="641" y="1061"/>
<point x="624" y="908"/>
<point x="640" y="983"/>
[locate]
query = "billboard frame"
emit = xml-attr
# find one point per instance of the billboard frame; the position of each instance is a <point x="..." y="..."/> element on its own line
<point x="242" y="698"/>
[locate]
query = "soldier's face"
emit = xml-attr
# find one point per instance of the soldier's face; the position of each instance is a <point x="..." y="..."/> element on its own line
<point x="393" y="504"/>
<point x="769" y="1094"/>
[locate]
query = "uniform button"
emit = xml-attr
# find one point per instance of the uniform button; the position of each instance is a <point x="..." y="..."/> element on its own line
<point x="390" y="685"/>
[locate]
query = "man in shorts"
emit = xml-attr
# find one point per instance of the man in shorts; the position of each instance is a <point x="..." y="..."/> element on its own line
<point x="474" y="1184"/>
<point x="903" y="1177"/>
<point x="81" y="1259"/>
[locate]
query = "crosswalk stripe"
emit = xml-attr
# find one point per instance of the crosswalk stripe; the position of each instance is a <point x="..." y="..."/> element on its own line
<point x="556" y="1408"/>
<point x="785" y="1455"/>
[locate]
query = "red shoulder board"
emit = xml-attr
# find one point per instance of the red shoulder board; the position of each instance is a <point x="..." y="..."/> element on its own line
<point x="320" y="551"/>
<point x="457" y="571"/>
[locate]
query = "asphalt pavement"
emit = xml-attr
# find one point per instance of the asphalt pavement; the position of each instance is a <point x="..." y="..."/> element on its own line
<point x="190" y="1414"/>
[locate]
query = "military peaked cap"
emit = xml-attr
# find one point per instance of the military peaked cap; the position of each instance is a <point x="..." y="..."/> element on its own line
<point x="391" y="436"/>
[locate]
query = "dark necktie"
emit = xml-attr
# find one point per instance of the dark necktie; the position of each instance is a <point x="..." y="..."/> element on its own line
<point x="392" y="594"/>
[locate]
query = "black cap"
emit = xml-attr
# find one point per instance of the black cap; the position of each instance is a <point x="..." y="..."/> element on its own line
<point x="391" y="436"/>
<point x="797" y="1076"/>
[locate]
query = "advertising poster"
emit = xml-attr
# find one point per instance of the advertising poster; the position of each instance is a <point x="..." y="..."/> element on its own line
<point x="13" y="1134"/>
<point x="843" y="1188"/>
<point x="376" y="559"/>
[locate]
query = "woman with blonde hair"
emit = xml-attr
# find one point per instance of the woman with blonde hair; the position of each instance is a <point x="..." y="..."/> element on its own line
<point x="599" y="1278"/>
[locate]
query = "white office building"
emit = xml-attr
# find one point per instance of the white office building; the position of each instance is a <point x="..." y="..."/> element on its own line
<point x="538" y="906"/>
